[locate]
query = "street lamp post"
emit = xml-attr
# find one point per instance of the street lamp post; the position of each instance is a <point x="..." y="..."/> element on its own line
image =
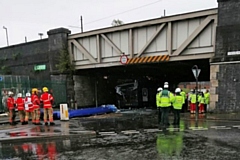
<point x="40" y="34"/>
<point x="6" y="34"/>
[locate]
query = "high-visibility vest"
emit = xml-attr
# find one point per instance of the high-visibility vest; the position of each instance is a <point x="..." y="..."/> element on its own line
<point x="35" y="101"/>
<point x="165" y="98"/>
<point x="207" y="97"/>
<point x="193" y="98"/>
<point x="10" y="103"/>
<point x="178" y="102"/>
<point x="157" y="100"/>
<point x="20" y="103"/>
<point x="183" y="94"/>
<point x="28" y="104"/>
<point x="47" y="99"/>
<point x="201" y="99"/>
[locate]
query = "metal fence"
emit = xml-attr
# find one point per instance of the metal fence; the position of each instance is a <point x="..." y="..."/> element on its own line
<point x="22" y="84"/>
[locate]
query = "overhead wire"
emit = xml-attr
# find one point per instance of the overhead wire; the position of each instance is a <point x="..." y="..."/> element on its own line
<point x="122" y="12"/>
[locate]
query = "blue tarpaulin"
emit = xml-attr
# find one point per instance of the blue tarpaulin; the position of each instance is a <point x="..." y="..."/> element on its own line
<point x="87" y="111"/>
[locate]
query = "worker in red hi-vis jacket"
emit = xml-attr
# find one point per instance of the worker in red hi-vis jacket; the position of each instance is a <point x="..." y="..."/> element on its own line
<point x="36" y="107"/>
<point x="11" y="108"/>
<point x="28" y="107"/>
<point x="47" y="100"/>
<point x="20" y="107"/>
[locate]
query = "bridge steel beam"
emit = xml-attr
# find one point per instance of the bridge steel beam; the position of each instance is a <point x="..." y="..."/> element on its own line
<point x="179" y="37"/>
<point x="197" y="31"/>
<point x="112" y="44"/>
<point x="147" y="23"/>
<point x="169" y="38"/>
<point x="84" y="51"/>
<point x="150" y="40"/>
<point x="98" y="49"/>
<point x="130" y="43"/>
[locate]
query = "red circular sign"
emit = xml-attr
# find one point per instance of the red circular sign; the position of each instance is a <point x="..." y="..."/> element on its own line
<point x="123" y="59"/>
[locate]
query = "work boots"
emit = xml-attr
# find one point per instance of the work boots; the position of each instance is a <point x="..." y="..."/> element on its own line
<point x="12" y="123"/>
<point x="52" y="123"/>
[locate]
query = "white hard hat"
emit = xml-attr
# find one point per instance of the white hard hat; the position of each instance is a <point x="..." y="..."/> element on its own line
<point x="28" y="94"/>
<point x="177" y="90"/>
<point x="10" y="93"/>
<point x="165" y="83"/>
<point x="165" y="86"/>
<point x="19" y="95"/>
<point x="159" y="89"/>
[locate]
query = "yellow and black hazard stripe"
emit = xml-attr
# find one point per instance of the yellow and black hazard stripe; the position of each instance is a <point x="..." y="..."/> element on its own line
<point x="149" y="59"/>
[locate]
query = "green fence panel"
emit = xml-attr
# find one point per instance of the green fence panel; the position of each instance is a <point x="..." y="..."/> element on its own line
<point x="22" y="84"/>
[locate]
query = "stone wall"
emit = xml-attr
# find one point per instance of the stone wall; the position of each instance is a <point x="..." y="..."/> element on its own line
<point x="20" y="60"/>
<point x="228" y="88"/>
<point x="224" y="67"/>
<point x="214" y="70"/>
<point x="228" y="28"/>
<point x="84" y="88"/>
<point x="92" y="91"/>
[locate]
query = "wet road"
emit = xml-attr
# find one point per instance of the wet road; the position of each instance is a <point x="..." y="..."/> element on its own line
<point x="122" y="136"/>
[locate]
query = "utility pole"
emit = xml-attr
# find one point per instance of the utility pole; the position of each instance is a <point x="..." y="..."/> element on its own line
<point x="6" y="34"/>
<point x="81" y="24"/>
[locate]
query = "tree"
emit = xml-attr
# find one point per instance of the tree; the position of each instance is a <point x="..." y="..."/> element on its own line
<point x="117" y="22"/>
<point x="64" y="65"/>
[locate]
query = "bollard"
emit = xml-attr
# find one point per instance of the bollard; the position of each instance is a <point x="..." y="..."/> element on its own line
<point x="64" y="112"/>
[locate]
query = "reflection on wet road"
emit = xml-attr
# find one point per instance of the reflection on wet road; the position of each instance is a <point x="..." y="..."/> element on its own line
<point x="135" y="137"/>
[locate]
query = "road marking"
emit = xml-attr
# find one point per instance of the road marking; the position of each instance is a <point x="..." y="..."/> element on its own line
<point x="223" y="128"/>
<point x="130" y="132"/>
<point x="152" y="130"/>
<point x="194" y="127"/>
<point x="236" y="126"/>
<point x="220" y="127"/>
<point x="107" y="133"/>
<point x="173" y="129"/>
<point x="83" y="132"/>
<point x="215" y="127"/>
<point x="198" y="128"/>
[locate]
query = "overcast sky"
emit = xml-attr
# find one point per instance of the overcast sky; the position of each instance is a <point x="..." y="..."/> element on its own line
<point x="28" y="18"/>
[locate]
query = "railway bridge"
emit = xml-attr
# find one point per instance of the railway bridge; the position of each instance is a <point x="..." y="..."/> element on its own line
<point x="150" y="52"/>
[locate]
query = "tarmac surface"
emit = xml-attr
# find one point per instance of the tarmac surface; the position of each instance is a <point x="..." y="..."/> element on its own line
<point x="130" y="134"/>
